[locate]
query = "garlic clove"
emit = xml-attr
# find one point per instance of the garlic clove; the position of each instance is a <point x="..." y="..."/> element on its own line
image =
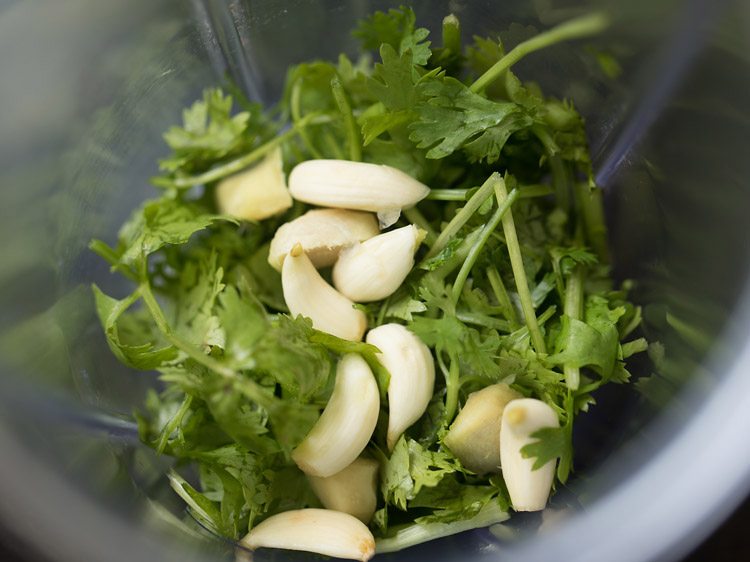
<point x="374" y="269"/>
<point x="356" y="185"/>
<point x="322" y="531"/>
<point x="528" y="489"/>
<point x="323" y="233"/>
<point x="257" y="193"/>
<point x="346" y="425"/>
<point x="412" y="370"/>
<point x="474" y="436"/>
<point x="352" y="490"/>
<point x="306" y="293"/>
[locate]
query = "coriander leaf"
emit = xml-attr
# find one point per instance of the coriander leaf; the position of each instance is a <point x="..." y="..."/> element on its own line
<point x="550" y="444"/>
<point x="411" y="468"/>
<point x="594" y="342"/>
<point x="452" y="117"/>
<point x="158" y="223"/>
<point x="393" y="82"/>
<point x="396" y="483"/>
<point x="245" y="482"/>
<point x="205" y="510"/>
<point x="245" y="422"/>
<point x="198" y="286"/>
<point x="287" y="354"/>
<point x="144" y="356"/>
<point x="555" y="442"/>
<point x="475" y="352"/>
<point x="210" y="133"/>
<point x="395" y="28"/>
<point x="437" y="261"/>
<point x="427" y="468"/>
<point x="404" y="308"/>
<point x="243" y="321"/>
<point x="488" y="146"/>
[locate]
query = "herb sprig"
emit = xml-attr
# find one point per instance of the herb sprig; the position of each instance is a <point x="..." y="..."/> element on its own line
<point x="513" y="285"/>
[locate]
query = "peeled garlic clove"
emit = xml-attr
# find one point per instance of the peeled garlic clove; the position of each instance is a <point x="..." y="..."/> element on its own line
<point x="306" y="293"/>
<point x="257" y="193"/>
<point x="374" y="269"/>
<point x="352" y="490"/>
<point x="323" y="233"/>
<point x="356" y="185"/>
<point x="412" y="370"/>
<point x="322" y="531"/>
<point x="528" y="488"/>
<point x="346" y="425"/>
<point x="474" y="436"/>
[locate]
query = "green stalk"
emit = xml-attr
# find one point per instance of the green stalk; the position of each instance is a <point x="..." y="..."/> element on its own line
<point x="519" y="273"/>
<point x="189" y="349"/>
<point x="295" y="107"/>
<point x="476" y="249"/>
<point x="459" y="256"/>
<point x="577" y="28"/>
<point x="448" y="194"/>
<point x="174" y="423"/>
<point x="418" y="533"/>
<point x="524" y="192"/>
<point x="498" y="288"/>
<point x="462" y="216"/>
<point x="573" y="308"/>
<point x="561" y="179"/>
<point x="452" y="34"/>
<point x="353" y="139"/>
<point x="239" y="164"/>
<point x="592" y="209"/>
<point x="452" y="387"/>
<point x="414" y="216"/>
<point x="479" y="319"/>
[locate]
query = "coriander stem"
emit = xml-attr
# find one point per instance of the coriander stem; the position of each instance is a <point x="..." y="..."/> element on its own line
<point x="459" y="256"/>
<point x="561" y="179"/>
<point x="577" y="28"/>
<point x="476" y="249"/>
<point x="498" y="288"/>
<point x="592" y="210"/>
<point x="452" y="34"/>
<point x="416" y="217"/>
<point x="524" y="192"/>
<point x="189" y="349"/>
<point x="452" y="387"/>
<point x="447" y="194"/>
<point x="573" y="308"/>
<point x="462" y="216"/>
<point x="519" y="273"/>
<point x="353" y="138"/>
<point x="479" y="319"/>
<point x="296" y="112"/>
<point x="239" y="164"/>
<point x="174" y="423"/>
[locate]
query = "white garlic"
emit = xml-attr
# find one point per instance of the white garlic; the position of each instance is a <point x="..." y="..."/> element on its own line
<point x="257" y="193"/>
<point x="356" y="185"/>
<point x="412" y="370"/>
<point x="323" y="233"/>
<point x="352" y="490"/>
<point x="346" y="425"/>
<point x="322" y="531"/>
<point x="306" y="293"/>
<point x="374" y="269"/>
<point x="474" y="436"/>
<point x="528" y="489"/>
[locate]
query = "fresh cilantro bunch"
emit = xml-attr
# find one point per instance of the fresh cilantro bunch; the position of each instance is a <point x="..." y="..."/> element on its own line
<point x="513" y="285"/>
